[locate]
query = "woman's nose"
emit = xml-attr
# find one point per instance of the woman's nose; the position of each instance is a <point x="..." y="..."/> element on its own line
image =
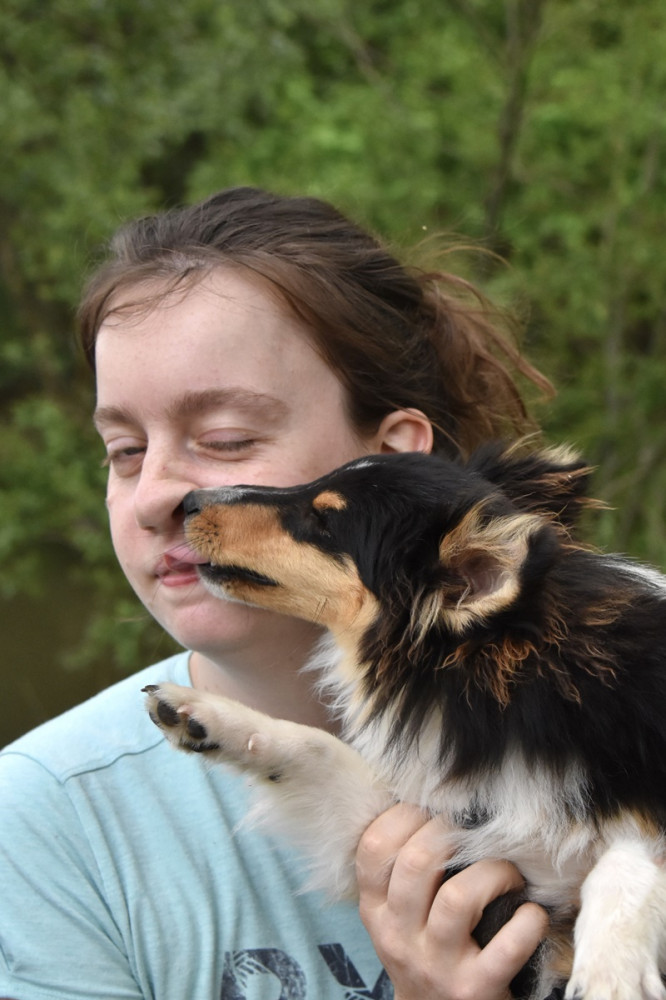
<point x="158" y="497"/>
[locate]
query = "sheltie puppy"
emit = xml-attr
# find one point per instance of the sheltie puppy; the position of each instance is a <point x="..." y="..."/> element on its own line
<point x="483" y="664"/>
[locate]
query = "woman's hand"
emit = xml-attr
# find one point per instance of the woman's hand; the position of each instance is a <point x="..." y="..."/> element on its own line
<point x="422" y="929"/>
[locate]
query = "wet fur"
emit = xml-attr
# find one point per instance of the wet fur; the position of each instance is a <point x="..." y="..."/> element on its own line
<point x="484" y="665"/>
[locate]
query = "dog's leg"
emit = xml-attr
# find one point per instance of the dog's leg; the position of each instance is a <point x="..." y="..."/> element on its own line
<point x="621" y="929"/>
<point x="310" y="786"/>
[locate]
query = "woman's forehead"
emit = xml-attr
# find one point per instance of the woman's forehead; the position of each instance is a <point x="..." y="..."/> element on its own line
<point x="131" y="301"/>
<point x="225" y="333"/>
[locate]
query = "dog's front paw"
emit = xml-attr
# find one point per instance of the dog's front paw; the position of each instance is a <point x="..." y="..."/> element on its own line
<point x="174" y="710"/>
<point x="614" y="977"/>
<point x="308" y="784"/>
<point x="226" y="731"/>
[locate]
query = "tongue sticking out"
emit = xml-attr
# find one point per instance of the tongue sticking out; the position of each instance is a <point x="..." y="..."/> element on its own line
<point x="182" y="558"/>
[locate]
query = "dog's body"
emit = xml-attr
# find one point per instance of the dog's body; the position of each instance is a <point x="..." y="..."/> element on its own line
<point x="483" y="665"/>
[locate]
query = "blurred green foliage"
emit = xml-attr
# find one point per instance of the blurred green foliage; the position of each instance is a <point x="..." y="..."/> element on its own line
<point x="535" y="127"/>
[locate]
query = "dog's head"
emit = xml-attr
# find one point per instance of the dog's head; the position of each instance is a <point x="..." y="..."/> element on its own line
<point x="406" y="533"/>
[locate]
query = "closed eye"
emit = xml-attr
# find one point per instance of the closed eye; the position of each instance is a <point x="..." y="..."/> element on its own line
<point x="121" y="458"/>
<point x="231" y="445"/>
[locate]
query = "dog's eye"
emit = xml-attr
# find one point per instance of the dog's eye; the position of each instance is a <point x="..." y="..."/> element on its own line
<point x="324" y="507"/>
<point x="320" y="519"/>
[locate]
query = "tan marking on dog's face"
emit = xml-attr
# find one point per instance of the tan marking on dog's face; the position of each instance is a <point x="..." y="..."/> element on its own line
<point x="329" y="500"/>
<point x="310" y="584"/>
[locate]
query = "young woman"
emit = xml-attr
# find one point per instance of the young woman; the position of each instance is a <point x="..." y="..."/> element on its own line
<point x="249" y="339"/>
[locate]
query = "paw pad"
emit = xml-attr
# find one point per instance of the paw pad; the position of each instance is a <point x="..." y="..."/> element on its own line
<point x="167" y="714"/>
<point x="182" y="729"/>
<point x="196" y="730"/>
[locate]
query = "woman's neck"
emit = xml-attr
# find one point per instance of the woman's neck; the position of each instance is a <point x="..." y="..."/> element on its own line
<point x="271" y="680"/>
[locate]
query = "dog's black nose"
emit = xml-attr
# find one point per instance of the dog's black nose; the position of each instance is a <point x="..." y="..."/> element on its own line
<point x="191" y="503"/>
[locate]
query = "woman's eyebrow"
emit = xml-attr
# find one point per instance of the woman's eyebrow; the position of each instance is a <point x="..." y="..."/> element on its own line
<point x="107" y="416"/>
<point x="195" y="402"/>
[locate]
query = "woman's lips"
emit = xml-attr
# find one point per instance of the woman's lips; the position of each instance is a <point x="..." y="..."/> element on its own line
<point x="178" y="566"/>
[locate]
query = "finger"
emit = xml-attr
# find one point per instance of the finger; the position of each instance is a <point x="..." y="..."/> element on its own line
<point x="417" y="874"/>
<point x="379" y="847"/>
<point x="459" y="903"/>
<point x="514" y="944"/>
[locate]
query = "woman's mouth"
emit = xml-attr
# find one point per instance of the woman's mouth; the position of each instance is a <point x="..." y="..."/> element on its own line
<point x="178" y="566"/>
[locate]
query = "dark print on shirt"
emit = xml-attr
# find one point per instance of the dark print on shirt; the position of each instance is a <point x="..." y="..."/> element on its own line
<point x="245" y="972"/>
<point x="345" y="973"/>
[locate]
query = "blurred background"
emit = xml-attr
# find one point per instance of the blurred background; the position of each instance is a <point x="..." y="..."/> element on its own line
<point x="536" y="128"/>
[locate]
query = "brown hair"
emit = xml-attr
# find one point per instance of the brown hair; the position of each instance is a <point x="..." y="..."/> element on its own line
<point x="396" y="337"/>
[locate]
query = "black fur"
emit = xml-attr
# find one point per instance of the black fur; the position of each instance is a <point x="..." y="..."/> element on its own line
<point x="461" y="594"/>
<point x="590" y="685"/>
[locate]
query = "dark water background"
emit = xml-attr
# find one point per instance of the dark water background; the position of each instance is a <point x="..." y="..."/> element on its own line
<point x="34" y="686"/>
<point x="36" y="635"/>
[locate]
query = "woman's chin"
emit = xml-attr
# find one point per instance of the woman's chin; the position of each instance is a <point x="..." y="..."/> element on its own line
<point x="212" y="624"/>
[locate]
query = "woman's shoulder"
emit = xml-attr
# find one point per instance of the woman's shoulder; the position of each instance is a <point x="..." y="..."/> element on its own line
<point x="99" y="731"/>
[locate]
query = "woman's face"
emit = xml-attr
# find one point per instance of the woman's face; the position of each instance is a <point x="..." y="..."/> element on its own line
<point x="215" y="386"/>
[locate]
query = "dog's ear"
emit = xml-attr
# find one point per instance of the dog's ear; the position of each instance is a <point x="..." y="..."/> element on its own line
<point x="552" y="481"/>
<point x="481" y="562"/>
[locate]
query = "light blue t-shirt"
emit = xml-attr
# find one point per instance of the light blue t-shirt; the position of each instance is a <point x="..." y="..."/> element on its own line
<point x="123" y="874"/>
